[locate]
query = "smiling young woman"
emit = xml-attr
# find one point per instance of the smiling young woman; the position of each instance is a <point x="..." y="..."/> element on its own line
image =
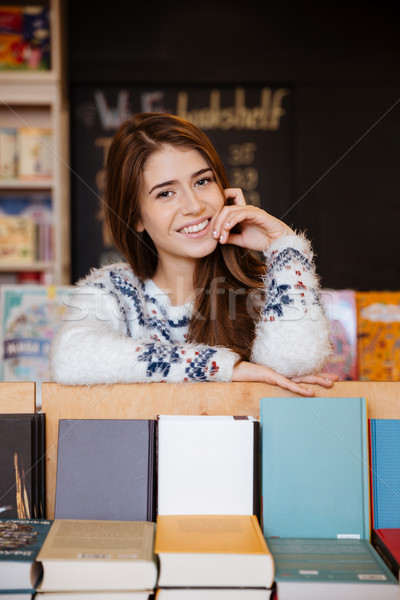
<point x="194" y="300"/>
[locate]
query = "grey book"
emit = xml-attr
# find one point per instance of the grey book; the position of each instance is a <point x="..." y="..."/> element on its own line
<point x="106" y="469"/>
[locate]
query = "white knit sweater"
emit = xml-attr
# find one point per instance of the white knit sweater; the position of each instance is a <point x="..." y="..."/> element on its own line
<point x="119" y="329"/>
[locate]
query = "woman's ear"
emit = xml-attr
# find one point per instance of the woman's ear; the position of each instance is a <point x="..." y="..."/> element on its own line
<point x="139" y="226"/>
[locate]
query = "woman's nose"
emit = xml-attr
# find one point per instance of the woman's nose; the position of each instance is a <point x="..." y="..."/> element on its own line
<point x="191" y="203"/>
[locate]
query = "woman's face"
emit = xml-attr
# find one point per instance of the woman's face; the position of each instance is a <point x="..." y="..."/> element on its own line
<point x="179" y="203"/>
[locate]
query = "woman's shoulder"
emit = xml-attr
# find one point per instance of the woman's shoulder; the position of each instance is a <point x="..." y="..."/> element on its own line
<point x="114" y="275"/>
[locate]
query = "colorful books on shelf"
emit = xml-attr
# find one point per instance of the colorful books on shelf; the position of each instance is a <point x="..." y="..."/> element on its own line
<point x="17" y="240"/>
<point x="208" y="465"/>
<point x="98" y="555"/>
<point x="208" y="551"/>
<point x="341" y="308"/>
<point x="26" y="153"/>
<point x="36" y="207"/>
<point x="378" y="336"/>
<point x="315" y="486"/>
<point x="34" y="154"/>
<point x="30" y="317"/>
<point x="24" y="37"/>
<point x="98" y="478"/>
<point x="8" y="152"/>
<point x="22" y="465"/>
<point x="20" y="543"/>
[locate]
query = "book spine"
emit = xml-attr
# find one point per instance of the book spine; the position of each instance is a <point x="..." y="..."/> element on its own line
<point x="152" y="473"/>
<point x="373" y="458"/>
<point x="365" y="470"/>
<point x="256" y="471"/>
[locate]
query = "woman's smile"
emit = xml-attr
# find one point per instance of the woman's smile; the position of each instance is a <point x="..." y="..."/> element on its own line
<point x="196" y="229"/>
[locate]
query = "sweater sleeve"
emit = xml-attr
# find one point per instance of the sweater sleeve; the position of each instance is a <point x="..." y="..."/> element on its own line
<point x="92" y="347"/>
<point x="292" y="334"/>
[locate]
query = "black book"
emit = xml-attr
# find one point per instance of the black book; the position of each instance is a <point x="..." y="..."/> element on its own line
<point x="106" y="469"/>
<point x="22" y="466"/>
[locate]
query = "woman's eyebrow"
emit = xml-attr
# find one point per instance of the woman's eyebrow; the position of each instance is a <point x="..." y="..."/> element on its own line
<point x="172" y="181"/>
<point x="160" y="185"/>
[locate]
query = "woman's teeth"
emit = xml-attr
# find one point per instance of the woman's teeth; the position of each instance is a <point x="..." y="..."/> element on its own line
<point x="195" y="228"/>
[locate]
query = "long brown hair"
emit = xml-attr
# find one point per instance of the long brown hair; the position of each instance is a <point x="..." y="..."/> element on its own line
<point x="225" y="307"/>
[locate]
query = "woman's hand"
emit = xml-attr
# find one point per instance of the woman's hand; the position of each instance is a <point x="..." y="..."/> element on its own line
<point x="247" y="371"/>
<point x="257" y="228"/>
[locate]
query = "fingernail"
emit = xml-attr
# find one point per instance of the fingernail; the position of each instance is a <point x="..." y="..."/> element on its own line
<point x="227" y="224"/>
<point x="221" y="238"/>
<point x="215" y="233"/>
<point x="328" y="380"/>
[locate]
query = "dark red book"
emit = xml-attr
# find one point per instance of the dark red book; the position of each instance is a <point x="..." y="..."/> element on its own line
<point x="387" y="543"/>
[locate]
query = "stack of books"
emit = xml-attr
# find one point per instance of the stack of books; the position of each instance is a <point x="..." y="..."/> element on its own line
<point x="385" y="484"/>
<point x="209" y="541"/>
<point x="315" y="495"/>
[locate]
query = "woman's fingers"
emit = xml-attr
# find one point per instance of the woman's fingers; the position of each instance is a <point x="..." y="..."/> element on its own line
<point x="246" y="371"/>
<point x="323" y="379"/>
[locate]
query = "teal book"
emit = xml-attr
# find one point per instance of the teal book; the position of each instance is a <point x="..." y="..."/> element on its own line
<point x="385" y="472"/>
<point x="315" y="468"/>
<point x="20" y="542"/>
<point x="329" y="568"/>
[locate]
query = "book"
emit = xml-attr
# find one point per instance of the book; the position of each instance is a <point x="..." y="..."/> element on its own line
<point x="348" y="569"/>
<point x="208" y="465"/>
<point x="315" y="467"/>
<point x="17" y="240"/>
<point x="341" y="308"/>
<point x="38" y="207"/>
<point x="30" y="317"/>
<point x="378" y="315"/>
<point x="94" y="596"/>
<point x="20" y="543"/>
<point x="8" y="152"/>
<point x="213" y="594"/>
<point x="98" y="478"/>
<point x="22" y="465"/>
<point x="387" y="544"/>
<point x="384" y="440"/>
<point x="35" y="154"/>
<point x="212" y="551"/>
<point x="24" y="37"/>
<point x="94" y="555"/>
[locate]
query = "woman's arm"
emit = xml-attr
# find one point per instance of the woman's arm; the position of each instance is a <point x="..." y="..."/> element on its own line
<point x="92" y="347"/>
<point x="292" y="334"/>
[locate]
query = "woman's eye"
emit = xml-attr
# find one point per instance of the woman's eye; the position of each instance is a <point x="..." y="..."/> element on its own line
<point x="203" y="181"/>
<point x="165" y="194"/>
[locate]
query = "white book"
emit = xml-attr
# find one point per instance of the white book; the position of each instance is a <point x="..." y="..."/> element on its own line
<point x="208" y="465"/>
<point x="212" y="594"/>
